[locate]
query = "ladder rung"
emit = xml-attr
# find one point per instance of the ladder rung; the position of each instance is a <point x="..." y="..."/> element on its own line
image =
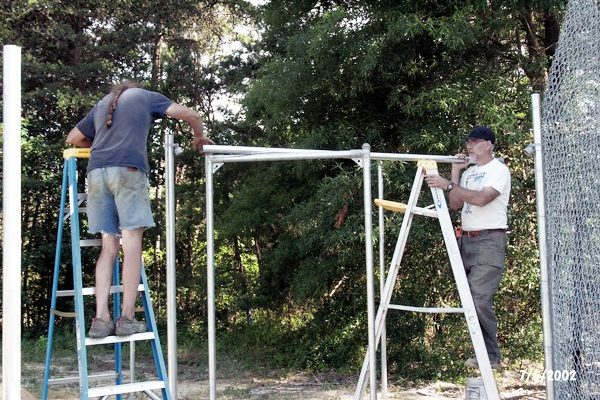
<point x="401" y="207"/>
<point x="427" y="212"/>
<point x="64" y="314"/>
<point x="81" y="197"/>
<point x="67" y="212"/>
<point x="75" y="379"/>
<point x="120" y="339"/>
<point x="125" y="388"/>
<point x="90" y="242"/>
<point x="442" y="310"/>
<point x="89" y="291"/>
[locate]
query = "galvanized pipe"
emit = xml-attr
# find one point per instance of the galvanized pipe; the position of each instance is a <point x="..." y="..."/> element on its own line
<point x="384" y="381"/>
<point x="414" y="157"/>
<point x="11" y="231"/>
<point x="542" y="244"/>
<point x="171" y="276"/>
<point x="306" y="155"/>
<point x="210" y="281"/>
<point x="222" y="149"/>
<point x="229" y="152"/>
<point x="370" y="276"/>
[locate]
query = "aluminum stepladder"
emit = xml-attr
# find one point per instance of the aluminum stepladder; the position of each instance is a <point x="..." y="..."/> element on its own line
<point x="437" y="210"/>
<point x="69" y="183"/>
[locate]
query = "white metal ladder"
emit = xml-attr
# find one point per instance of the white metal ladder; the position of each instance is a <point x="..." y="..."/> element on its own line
<point x="438" y="210"/>
<point x="69" y="183"/>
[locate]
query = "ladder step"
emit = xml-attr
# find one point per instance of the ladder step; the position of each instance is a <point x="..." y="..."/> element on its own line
<point x="64" y="314"/>
<point x="441" y="310"/>
<point x="401" y="207"/>
<point x="426" y="211"/>
<point x="90" y="242"/>
<point x="75" y="379"/>
<point x="125" y="388"/>
<point x="89" y="291"/>
<point x="120" y="339"/>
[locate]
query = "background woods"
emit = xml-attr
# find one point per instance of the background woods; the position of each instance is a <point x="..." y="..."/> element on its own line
<point x="403" y="76"/>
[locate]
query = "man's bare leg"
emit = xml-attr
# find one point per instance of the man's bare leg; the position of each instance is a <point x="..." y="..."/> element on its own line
<point x="104" y="271"/>
<point x="132" y="268"/>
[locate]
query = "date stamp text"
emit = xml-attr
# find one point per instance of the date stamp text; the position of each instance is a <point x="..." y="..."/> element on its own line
<point x="541" y="377"/>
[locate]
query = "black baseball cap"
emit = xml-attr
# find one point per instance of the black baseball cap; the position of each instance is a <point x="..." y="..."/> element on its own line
<point x="482" y="132"/>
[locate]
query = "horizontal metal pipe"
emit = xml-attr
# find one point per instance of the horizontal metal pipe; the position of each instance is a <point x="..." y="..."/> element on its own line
<point x="314" y="154"/>
<point x="310" y="155"/>
<point x="414" y="157"/>
<point x="220" y="149"/>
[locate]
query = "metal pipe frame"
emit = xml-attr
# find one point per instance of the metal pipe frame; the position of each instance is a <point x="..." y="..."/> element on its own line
<point x="217" y="155"/>
<point x="536" y="115"/>
<point x="11" y="232"/>
<point x="384" y="380"/>
<point x="210" y="280"/>
<point x="245" y="154"/>
<point x="370" y="273"/>
<point x="171" y="277"/>
<point x="287" y="156"/>
<point x="224" y="149"/>
<point x="228" y="154"/>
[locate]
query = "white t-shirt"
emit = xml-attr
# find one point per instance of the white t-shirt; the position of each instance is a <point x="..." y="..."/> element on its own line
<point x="493" y="215"/>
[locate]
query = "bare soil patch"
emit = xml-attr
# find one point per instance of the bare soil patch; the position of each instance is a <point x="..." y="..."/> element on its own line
<point x="237" y="384"/>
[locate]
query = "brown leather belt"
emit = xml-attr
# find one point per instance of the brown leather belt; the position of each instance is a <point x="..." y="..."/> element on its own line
<point x="477" y="233"/>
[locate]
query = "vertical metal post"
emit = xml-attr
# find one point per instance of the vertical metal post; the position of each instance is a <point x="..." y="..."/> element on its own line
<point x="541" y="216"/>
<point x="132" y="366"/>
<point x="171" y="277"/>
<point x="384" y="382"/>
<point x="116" y="278"/>
<point x="11" y="231"/>
<point x="77" y="279"/>
<point x="210" y="280"/>
<point x="369" y="261"/>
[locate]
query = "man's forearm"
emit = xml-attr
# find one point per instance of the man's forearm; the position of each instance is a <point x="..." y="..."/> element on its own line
<point x="197" y="125"/>
<point x="188" y="115"/>
<point x="455" y="177"/>
<point x="456" y="202"/>
<point x="478" y="198"/>
<point x="78" y="139"/>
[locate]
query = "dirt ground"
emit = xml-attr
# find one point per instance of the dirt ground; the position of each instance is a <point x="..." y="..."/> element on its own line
<point x="238" y="384"/>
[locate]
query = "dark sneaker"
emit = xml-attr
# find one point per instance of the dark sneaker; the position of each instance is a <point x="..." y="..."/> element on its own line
<point x="101" y="328"/>
<point x="126" y="327"/>
<point x="472" y="363"/>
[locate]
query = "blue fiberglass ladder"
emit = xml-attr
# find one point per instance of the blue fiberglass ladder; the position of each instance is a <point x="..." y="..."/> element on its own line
<point x="119" y="388"/>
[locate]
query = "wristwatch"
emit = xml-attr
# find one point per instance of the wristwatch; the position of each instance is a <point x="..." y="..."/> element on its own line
<point x="450" y="186"/>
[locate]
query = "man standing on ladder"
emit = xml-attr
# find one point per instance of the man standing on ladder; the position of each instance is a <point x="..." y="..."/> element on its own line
<point x="482" y="192"/>
<point x="118" y="204"/>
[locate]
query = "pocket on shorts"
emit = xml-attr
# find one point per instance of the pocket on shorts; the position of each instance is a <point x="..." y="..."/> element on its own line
<point x="133" y="178"/>
<point x="94" y="178"/>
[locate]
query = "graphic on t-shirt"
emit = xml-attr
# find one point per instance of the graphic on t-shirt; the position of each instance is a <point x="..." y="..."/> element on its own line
<point x="473" y="182"/>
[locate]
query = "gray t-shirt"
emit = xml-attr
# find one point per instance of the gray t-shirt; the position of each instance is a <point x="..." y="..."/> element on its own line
<point x="124" y="144"/>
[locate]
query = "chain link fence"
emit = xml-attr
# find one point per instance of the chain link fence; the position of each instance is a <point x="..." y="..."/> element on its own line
<point x="571" y="151"/>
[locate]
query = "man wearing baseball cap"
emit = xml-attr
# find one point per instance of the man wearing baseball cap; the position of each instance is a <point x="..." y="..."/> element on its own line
<point x="482" y="192"/>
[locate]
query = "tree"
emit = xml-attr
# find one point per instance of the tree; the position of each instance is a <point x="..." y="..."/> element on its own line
<point x="404" y="77"/>
<point x="72" y="52"/>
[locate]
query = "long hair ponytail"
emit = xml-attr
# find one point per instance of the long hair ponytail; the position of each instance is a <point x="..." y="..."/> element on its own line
<point x="117" y="91"/>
